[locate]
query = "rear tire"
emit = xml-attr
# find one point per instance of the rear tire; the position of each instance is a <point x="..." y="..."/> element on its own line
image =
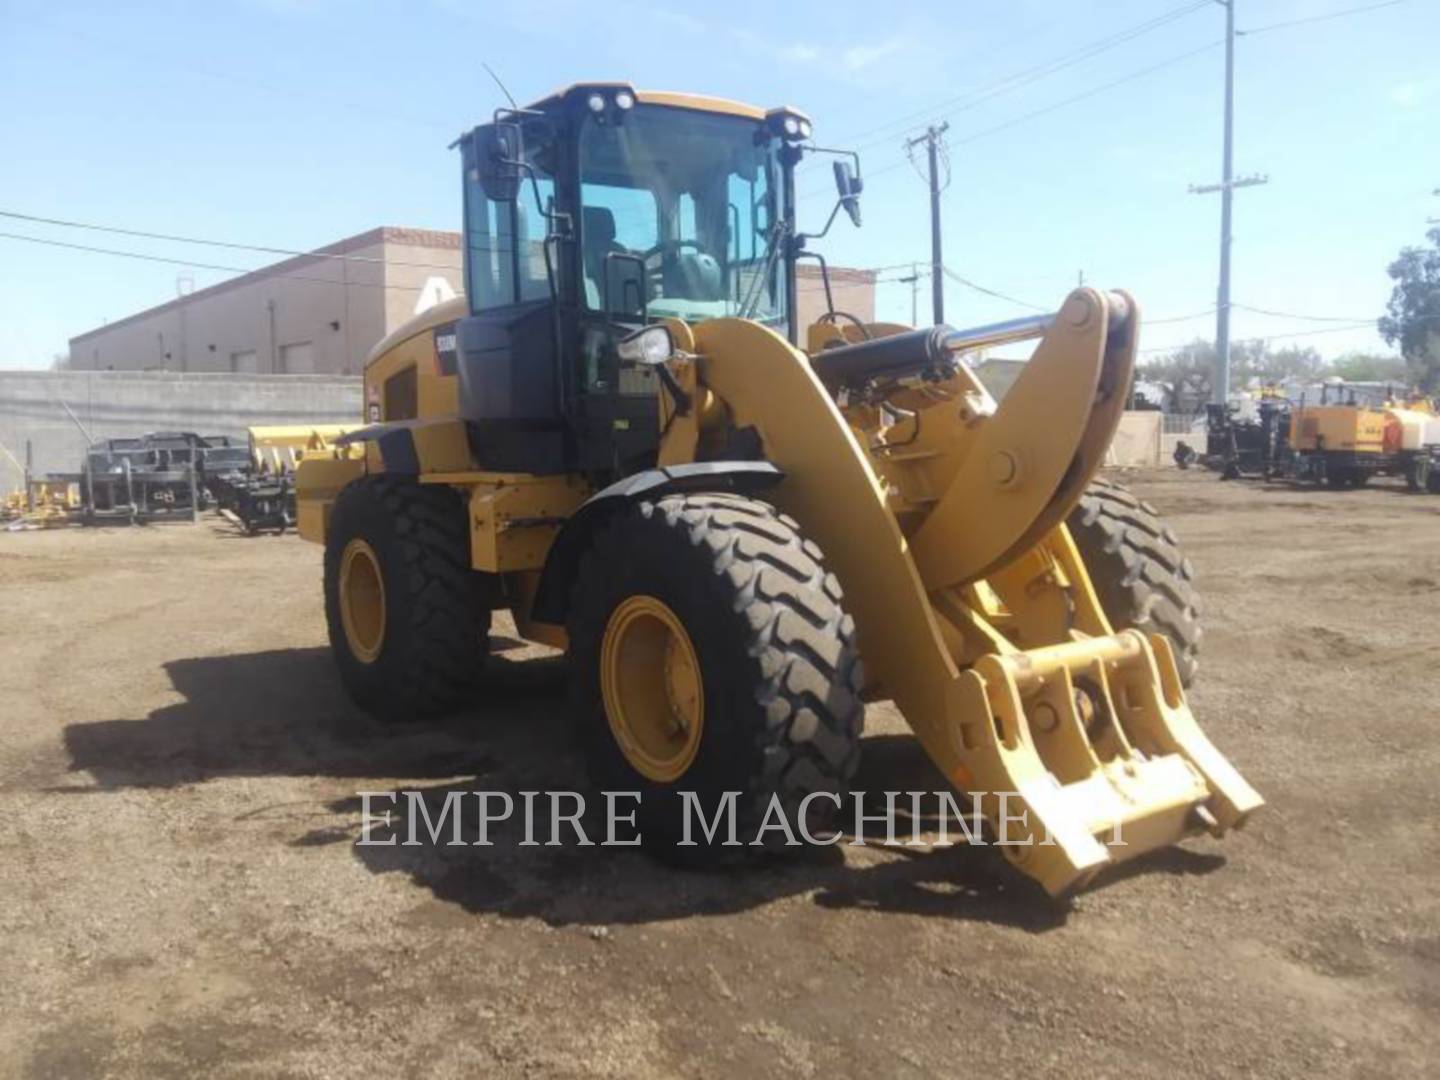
<point x="1143" y="579"/>
<point x="417" y="651"/>
<point x="779" y="671"/>
<point x="1417" y="476"/>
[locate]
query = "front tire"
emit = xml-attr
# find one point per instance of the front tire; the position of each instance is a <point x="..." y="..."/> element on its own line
<point x="1140" y="574"/>
<point x="407" y="617"/>
<point x="711" y="655"/>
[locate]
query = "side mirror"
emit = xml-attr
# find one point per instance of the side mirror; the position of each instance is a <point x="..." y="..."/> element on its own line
<point x="499" y="158"/>
<point x="849" y="185"/>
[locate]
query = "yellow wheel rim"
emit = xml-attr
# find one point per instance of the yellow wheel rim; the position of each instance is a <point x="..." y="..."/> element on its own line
<point x="362" y="601"/>
<point x="652" y="688"/>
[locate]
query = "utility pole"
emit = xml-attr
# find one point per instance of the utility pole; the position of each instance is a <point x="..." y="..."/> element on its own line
<point x="184" y="286"/>
<point x="914" y="282"/>
<point x="1220" y="382"/>
<point x="931" y="139"/>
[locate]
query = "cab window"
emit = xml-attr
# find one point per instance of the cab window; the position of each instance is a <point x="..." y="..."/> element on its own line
<point x="505" y="242"/>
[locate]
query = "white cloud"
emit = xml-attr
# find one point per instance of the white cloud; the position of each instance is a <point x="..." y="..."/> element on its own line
<point x="858" y="57"/>
<point x="800" y="52"/>
<point x="680" y="20"/>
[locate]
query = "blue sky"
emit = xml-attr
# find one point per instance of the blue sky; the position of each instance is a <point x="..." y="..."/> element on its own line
<point x="293" y="123"/>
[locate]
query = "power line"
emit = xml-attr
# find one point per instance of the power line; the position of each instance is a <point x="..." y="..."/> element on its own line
<point x="977" y="96"/>
<point x="232" y="245"/>
<point x="1139" y="74"/>
<point x="247" y="271"/>
<point x="1316" y="18"/>
<point x="959" y="279"/>
<point x="91" y="249"/>
<point x="1033" y="114"/>
<point x="1295" y="315"/>
<point x="1182" y="318"/>
<point x="1269" y="337"/>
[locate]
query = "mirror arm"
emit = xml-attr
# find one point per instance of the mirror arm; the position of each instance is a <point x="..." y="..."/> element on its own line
<point x="853" y="155"/>
<point x="802" y="237"/>
<point x="824" y="275"/>
<point x="676" y="391"/>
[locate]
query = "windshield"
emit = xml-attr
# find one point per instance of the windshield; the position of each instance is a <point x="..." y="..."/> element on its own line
<point x="681" y="208"/>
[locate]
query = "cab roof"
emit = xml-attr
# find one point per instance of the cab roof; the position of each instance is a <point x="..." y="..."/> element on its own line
<point x="673" y="98"/>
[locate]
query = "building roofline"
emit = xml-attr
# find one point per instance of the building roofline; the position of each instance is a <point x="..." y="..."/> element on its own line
<point x="811" y="272"/>
<point x="378" y="235"/>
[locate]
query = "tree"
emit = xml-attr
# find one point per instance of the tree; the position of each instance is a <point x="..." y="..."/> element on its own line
<point x="1298" y="362"/>
<point x="1370" y="367"/>
<point x="1183" y="375"/>
<point x="1414" y="311"/>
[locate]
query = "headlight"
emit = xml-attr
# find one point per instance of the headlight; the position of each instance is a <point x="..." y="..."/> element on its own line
<point x="596" y="103"/>
<point x="806" y="128"/>
<point x="650" y="346"/>
<point x="792" y="125"/>
<point x="624" y="100"/>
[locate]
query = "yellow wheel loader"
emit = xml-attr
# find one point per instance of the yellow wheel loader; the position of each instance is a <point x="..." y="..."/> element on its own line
<point x="741" y="529"/>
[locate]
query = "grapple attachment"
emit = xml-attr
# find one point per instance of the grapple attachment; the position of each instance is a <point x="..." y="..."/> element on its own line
<point x="942" y="513"/>
<point x="1102" y="755"/>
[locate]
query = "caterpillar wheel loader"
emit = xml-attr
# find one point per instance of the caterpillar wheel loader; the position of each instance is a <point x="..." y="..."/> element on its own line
<point x="740" y="532"/>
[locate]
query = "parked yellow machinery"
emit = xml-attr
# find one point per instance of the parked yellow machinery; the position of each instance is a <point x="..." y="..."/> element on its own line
<point x="739" y="533"/>
<point x="278" y="449"/>
<point x="47" y="504"/>
<point x="1343" y="441"/>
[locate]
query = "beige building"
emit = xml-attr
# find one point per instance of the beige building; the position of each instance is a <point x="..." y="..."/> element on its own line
<point x="852" y="290"/>
<point x="321" y="313"/>
<point x="313" y="314"/>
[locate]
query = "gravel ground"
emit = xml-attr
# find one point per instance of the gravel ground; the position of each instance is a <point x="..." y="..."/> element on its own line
<point x="181" y="894"/>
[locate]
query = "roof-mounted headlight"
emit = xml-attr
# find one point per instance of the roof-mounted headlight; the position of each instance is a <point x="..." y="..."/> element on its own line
<point x="789" y="124"/>
<point x="596" y="102"/>
<point x="624" y="100"/>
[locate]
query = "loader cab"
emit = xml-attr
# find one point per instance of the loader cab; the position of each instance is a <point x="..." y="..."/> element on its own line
<point x="589" y="214"/>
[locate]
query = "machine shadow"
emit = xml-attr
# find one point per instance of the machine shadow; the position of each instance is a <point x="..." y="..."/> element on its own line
<point x="283" y="713"/>
<point x="574" y="884"/>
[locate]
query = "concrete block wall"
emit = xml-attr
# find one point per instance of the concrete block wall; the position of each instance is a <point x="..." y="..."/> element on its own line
<point x="126" y="403"/>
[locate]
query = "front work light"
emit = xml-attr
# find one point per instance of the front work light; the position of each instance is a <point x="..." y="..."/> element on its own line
<point x="650" y="346"/>
<point x="624" y="100"/>
<point x="596" y="102"/>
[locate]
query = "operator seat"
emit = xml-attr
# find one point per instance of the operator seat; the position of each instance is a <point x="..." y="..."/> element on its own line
<point x="626" y="281"/>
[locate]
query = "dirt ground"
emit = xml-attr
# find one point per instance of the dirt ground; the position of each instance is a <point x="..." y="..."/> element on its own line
<point x="181" y="894"/>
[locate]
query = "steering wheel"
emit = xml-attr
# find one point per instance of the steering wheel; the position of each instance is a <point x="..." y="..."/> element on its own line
<point x="676" y="246"/>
